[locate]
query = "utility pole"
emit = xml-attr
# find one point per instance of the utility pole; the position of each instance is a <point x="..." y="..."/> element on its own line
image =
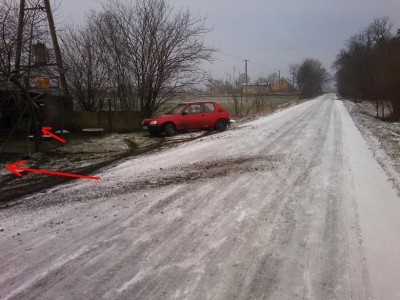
<point x="19" y="35"/>
<point x="57" y="50"/>
<point x="245" y="70"/>
<point x="29" y="104"/>
<point x="293" y="80"/>
<point x="22" y="79"/>
<point x="279" y="82"/>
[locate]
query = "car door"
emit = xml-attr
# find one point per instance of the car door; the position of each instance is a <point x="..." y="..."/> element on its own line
<point x="209" y="115"/>
<point x="192" y="117"/>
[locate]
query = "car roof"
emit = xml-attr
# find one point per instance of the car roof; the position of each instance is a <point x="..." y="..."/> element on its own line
<point x="198" y="102"/>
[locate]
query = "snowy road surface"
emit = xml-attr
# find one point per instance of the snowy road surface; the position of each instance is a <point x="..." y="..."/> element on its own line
<point x="289" y="206"/>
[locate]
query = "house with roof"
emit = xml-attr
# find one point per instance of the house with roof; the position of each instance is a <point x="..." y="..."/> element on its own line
<point x="282" y="86"/>
<point x="255" y="89"/>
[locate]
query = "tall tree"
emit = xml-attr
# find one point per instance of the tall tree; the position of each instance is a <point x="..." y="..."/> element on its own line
<point x="310" y="76"/>
<point x="164" y="49"/>
<point x="234" y="87"/>
<point x="83" y="57"/>
<point x="366" y="68"/>
<point x="32" y="29"/>
<point x="110" y="35"/>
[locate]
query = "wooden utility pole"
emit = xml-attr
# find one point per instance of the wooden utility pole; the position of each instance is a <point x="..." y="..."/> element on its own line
<point x="20" y="31"/>
<point x="22" y="80"/>
<point x="279" y="82"/>
<point x="57" y="50"/>
<point x="29" y="105"/>
<point x="245" y="71"/>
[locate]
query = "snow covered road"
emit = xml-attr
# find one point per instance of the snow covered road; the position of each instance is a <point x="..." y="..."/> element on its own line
<point x="290" y="206"/>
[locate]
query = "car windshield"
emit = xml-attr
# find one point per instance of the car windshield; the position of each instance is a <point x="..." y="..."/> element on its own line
<point x="176" y="109"/>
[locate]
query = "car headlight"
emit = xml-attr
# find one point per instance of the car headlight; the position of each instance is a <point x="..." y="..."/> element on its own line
<point x="153" y="122"/>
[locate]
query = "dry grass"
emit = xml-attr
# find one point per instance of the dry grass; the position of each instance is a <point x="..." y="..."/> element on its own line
<point x="251" y="105"/>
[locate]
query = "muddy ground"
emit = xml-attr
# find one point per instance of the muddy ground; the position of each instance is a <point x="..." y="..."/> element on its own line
<point x="81" y="155"/>
<point x="84" y="155"/>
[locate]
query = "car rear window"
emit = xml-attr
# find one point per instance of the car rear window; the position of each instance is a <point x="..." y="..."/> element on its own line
<point x="209" y="107"/>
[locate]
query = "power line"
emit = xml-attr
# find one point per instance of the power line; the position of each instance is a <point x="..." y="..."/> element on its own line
<point x="257" y="65"/>
<point x="230" y="55"/>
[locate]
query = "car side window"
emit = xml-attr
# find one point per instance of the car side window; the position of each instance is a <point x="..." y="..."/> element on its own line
<point x="209" y="107"/>
<point x="193" y="109"/>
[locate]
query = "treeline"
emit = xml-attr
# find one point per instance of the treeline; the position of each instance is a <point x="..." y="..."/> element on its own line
<point x="140" y="54"/>
<point x="368" y="68"/>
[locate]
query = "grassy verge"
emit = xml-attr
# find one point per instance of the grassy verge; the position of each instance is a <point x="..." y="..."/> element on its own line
<point x="251" y="105"/>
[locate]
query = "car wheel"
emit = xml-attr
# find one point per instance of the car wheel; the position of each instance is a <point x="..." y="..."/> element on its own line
<point x="169" y="129"/>
<point x="153" y="132"/>
<point x="221" y="125"/>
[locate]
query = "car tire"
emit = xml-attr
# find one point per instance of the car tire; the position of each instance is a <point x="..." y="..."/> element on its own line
<point x="221" y="125"/>
<point x="169" y="129"/>
<point x="153" y="132"/>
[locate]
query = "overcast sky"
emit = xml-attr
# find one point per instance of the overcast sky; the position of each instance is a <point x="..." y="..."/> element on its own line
<point x="272" y="34"/>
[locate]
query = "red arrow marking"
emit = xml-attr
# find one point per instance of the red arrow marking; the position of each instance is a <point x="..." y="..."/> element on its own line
<point x="46" y="131"/>
<point x="15" y="168"/>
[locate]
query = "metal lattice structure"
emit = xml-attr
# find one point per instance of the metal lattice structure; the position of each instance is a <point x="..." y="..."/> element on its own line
<point x="28" y="82"/>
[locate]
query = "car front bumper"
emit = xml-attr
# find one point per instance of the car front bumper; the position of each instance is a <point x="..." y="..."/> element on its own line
<point x="152" y="128"/>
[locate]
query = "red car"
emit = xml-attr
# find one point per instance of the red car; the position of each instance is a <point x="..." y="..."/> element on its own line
<point x="188" y="116"/>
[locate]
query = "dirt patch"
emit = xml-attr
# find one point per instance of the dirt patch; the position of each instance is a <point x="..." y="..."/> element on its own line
<point x="81" y="156"/>
<point x="207" y="171"/>
<point x="196" y="172"/>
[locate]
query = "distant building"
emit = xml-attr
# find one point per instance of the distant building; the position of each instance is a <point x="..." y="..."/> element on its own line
<point x="255" y="89"/>
<point x="282" y="86"/>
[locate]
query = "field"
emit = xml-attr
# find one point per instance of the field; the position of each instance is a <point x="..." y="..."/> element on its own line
<point x="246" y="106"/>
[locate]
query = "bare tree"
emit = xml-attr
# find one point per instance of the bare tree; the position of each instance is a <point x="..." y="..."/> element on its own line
<point x="164" y="49"/>
<point x="294" y="72"/>
<point x="8" y="38"/>
<point x="363" y="63"/>
<point x="272" y="79"/>
<point x="310" y="77"/>
<point x="261" y="80"/>
<point x="388" y="78"/>
<point x="83" y="58"/>
<point x="234" y="87"/>
<point x="32" y="30"/>
<point x="216" y="86"/>
<point x="111" y="37"/>
<point x="242" y="78"/>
